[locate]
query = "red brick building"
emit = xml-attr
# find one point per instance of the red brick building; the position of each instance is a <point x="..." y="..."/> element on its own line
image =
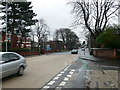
<point x="18" y="42"/>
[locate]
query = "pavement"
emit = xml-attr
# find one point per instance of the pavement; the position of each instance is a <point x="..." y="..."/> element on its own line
<point x="106" y="76"/>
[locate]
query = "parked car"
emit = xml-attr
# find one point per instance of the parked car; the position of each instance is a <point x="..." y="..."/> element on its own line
<point x="11" y="63"/>
<point x="74" y="51"/>
<point x="83" y="49"/>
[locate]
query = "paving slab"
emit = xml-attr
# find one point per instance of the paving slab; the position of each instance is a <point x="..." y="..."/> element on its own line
<point x="98" y="79"/>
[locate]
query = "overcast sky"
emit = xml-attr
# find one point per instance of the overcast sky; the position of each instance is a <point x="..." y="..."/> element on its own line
<point x="56" y="14"/>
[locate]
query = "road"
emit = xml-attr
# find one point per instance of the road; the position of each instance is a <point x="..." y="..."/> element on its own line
<point x="65" y="70"/>
<point x="40" y="70"/>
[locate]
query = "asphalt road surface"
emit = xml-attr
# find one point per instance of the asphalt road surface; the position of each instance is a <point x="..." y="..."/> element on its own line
<point x="61" y="70"/>
<point x="39" y="71"/>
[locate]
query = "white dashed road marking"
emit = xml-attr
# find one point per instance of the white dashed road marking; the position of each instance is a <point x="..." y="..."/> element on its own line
<point x="62" y="72"/>
<point x="62" y="83"/>
<point x="59" y="88"/>
<point x="51" y="83"/>
<point x="71" y="72"/>
<point x="66" y="79"/>
<point x="56" y="78"/>
<point x="46" y="87"/>
<point x="59" y="75"/>
<point x="69" y="76"/>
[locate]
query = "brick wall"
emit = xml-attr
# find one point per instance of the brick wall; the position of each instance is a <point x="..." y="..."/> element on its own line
<point x="106" y="53"/>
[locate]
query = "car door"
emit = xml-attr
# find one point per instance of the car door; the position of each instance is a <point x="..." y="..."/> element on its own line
<point x="10" y="66"/>
<point x="0" y="68"/>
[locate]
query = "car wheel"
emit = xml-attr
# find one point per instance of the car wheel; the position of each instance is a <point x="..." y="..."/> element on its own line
<point x="21" y="71"/>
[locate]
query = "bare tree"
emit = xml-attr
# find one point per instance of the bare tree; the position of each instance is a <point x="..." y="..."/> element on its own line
<point x="94" y="14"/>
<point x="32" y="35"/>
<point x="56" y="35"/>
<point x="69" y="38"/>
<point x="42" y="31"/>
<point x="62" y="34"/>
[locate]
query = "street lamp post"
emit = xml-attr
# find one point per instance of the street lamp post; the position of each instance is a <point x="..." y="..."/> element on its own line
<point x="6" y="27"/>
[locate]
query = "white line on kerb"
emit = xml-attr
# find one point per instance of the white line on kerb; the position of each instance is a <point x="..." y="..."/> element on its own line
<point x="65" y="69"/>
<point x="68" y="66"/>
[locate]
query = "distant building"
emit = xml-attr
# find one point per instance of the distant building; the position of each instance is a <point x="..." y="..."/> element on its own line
<point x="18" y="41"/>
<point x="55" y="46"/>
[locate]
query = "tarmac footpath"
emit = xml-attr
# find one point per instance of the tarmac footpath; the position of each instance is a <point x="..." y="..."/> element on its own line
<point x="103" y="73"/>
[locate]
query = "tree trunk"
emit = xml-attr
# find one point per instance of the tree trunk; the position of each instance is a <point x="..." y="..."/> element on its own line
<point x="93" y="42"/>
<point x="12" y="37"/>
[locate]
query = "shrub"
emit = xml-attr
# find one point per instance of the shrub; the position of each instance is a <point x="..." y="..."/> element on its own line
<point x="109" y="38"/>
<point x="18" y="50"/>
<point x="4" y="46"/>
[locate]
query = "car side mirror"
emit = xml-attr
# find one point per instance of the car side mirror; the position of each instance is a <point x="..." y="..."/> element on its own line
<point x="1" y="62"/>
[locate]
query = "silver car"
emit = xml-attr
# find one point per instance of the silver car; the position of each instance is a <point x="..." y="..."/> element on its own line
<point x="74" y="51"/>
<point x="11" y="63"/>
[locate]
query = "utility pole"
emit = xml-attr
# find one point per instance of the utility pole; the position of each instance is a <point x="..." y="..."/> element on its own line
<point x="119" y="16"/>
<point x="118" y="38"/>
<point x="6" y="27"/>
